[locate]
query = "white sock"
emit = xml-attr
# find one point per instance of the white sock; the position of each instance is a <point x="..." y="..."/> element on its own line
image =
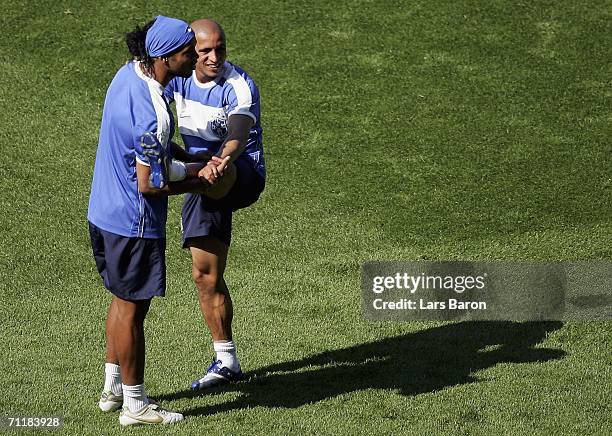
<point x="134" y="397"/>
<point x="226" y="353"/>
<point x="112" y="379"/>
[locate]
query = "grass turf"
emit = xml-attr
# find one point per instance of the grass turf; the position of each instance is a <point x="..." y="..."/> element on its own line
<point x="393" y="130"/>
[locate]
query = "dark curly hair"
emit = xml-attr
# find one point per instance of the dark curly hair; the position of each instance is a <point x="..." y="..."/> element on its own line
<point x="135" y="42"/>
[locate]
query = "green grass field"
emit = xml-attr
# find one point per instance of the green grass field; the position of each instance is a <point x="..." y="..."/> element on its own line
<point x="456" y="130"/>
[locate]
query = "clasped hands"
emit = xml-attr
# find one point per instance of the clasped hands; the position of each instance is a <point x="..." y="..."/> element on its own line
<point x="214" y="169"/>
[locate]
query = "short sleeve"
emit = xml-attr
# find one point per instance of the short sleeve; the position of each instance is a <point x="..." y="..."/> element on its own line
<point x="242" y="97"/>
<point x="145" y="121"/>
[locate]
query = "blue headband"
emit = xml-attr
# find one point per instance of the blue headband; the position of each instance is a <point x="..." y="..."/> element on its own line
<point x="166" y="35"/>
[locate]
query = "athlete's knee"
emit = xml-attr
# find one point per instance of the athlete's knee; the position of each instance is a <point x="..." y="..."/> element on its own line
<point x="205" y="280"/>
<point x="225" y="185"/>
<point x="208" y="264"/>
<point x="231" y="172"/>
<point x="132" y="311"/>
<point x="216" y="194"/>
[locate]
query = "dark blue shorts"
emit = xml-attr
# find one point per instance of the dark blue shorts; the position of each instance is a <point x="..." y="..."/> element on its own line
<point x="131" y="268"/>
<point x="203" y="216"/>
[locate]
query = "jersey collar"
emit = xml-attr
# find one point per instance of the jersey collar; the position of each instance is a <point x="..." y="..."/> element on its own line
<point x="151" y="81"/>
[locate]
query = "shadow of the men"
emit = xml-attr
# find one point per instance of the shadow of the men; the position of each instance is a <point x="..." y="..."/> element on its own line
<point x="415" y="363"/>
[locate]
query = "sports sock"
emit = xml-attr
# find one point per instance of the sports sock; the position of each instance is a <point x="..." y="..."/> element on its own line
<point x="112" y="379"/>
<point x="226" y="353"/>
<point x="134" y="397"/>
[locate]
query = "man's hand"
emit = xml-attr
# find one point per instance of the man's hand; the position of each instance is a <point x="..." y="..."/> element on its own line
<point x="214" y="170"/>
<point x="220" y="163"/>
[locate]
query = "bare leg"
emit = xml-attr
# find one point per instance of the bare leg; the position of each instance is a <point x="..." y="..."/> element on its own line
<point x="225" y="184"/>
<point x="128" y="340"/>
<point x="111" y="319"/>
<point x="209" y="256"/>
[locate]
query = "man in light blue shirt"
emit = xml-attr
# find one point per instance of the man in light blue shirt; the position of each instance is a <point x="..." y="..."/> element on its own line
<point x="127" y="216"/>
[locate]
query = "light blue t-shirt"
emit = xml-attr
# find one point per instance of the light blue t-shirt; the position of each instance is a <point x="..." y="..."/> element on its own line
<point x="204" y="108"/>
<point x="134" y="104"/>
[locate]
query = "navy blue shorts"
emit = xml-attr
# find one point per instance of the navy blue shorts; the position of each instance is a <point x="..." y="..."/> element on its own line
<point x="131" y="268"/>
<point x="203" y="216"/>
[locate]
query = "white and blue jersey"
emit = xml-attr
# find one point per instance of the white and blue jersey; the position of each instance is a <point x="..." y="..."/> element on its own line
<point x="134" y="104"/>
<point x="204" y="108"/>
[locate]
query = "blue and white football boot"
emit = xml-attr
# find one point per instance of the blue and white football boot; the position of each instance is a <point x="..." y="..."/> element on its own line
<point x="216" y="375"/>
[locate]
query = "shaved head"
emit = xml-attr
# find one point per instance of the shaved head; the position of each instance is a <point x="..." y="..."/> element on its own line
<point x="206" y="27"/>
<point x="210" y="47"/>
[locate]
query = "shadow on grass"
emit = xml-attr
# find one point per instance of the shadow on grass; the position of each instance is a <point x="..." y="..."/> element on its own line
<point x="416" y="363"/>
